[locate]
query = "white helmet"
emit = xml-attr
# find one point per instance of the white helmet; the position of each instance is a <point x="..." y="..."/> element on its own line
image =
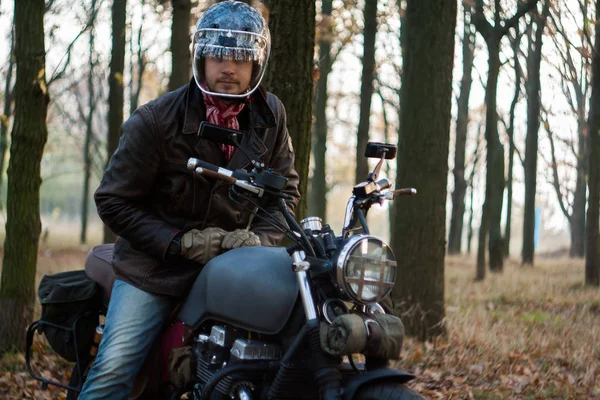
<point x="231" y="30"/>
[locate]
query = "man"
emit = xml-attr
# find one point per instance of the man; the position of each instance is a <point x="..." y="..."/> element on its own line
<point x="170" y="222"/>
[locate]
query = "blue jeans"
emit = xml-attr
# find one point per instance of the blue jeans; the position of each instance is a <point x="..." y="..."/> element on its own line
<point x="133" y="320"/>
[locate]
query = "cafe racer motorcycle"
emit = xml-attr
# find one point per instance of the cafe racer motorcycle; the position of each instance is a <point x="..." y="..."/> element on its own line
<point x="267" y="322"/>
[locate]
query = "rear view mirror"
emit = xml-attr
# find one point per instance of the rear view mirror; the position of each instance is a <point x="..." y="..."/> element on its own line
<point x="379" y="150"/>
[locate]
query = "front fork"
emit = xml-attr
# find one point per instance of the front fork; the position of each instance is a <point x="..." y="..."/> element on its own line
<point x="300" y="267"/>
<point x="326" y="374"/>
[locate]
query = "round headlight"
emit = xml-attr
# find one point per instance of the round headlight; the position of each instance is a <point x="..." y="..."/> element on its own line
<point x="366" y="269"/>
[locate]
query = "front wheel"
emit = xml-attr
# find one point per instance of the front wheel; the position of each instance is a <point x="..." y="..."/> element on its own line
<point x="386" y="391"/>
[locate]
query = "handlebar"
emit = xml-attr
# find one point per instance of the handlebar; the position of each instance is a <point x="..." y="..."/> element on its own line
<point x="404" y="192"/>
<point x="231" y="177"/>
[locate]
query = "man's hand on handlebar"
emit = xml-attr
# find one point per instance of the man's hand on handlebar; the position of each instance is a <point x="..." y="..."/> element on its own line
<point x="202" y="245"/>
<point x="240" y="238"/>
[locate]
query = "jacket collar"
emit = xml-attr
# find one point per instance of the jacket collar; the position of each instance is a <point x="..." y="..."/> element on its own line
<point x="261" y="115"/>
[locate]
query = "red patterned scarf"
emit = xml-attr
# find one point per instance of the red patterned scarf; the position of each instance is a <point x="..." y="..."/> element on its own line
<point x="223" y="114"/>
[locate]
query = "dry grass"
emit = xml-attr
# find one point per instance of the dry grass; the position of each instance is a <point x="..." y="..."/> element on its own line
<point x="528" y="333"/>
<point x="525" y="333"/>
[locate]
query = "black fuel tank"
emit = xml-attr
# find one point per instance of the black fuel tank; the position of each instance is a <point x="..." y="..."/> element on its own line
<point x="252" y="288"/>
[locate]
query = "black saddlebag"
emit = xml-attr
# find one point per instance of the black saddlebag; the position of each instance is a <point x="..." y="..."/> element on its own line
<point x="71" y="305"/>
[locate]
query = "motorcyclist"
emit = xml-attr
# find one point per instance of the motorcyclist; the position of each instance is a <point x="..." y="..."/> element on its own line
<point x="169" y="223"/>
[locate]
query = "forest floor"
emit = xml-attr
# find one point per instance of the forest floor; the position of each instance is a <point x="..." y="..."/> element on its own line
<point x="528" y="333"/>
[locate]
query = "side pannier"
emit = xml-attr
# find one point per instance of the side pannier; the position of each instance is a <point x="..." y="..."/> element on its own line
<point x="71" y="305"/>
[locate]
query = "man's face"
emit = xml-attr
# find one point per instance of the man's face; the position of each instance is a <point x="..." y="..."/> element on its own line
<point x="227" y="76"/>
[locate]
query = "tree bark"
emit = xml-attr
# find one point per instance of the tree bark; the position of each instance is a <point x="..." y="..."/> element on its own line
<point x="366" y="89"/>
<point x="495" y="164"/>
<point x="180" y="44"/>
<point x="115" y="87"/>
<point x="533" y="86"/>
<point x="318" y="192"/>
<point x="592" y="259"/>
<point x="418" y="235"/>
<point x="28" y="136"/>
<point x="88" y="132"/>
<point x="577" y="249"/>
<point x="290" y="77"/>
<point x="8" y="100"/>
<point x="462" y="122"/>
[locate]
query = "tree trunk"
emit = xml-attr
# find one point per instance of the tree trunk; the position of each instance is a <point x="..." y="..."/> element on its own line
<point x="28" y="136"/>
<point x="290" y="76"/>
<point x="495" y="163"/>
<point x="8" y="99"/>
<point x="481" y="244"/>
<point x="137" y="80"/>
<point x="494" y="186"/>
<point x="366" y="89"/>
<point x="462" y="122"/>
<point x="579" y="196"/>
<point x="470" y="220"/>
<point x="88" y="133"/>
<point x="471" y="187"/>
<point x="592" y="259"/>
<point x="318" y="192"/>
<point x="180" y="44"/>
<point x="115" y="85"/>
<point x="418" y="235"/>
<point x="533" y="86"/>
<point x="511" y="142"/>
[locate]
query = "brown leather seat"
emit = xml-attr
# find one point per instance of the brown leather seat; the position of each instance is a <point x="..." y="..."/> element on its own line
<point x="98" y="267"/>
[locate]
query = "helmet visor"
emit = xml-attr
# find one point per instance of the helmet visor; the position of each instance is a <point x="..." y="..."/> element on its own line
<point x="230" y="44"/>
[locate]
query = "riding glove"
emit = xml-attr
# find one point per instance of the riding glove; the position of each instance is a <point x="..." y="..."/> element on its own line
<point x="202" y="245"/>
<point x="240" y="238"/>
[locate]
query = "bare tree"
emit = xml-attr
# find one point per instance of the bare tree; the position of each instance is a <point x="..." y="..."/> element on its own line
<point x="89" y="132"/>
<point x="592" y="258"/>
<point x="533" y="88"/>
<point x="510" y="132"/>
<point x="180" y="43"/>
<point x="28" y="137"/>
<point x="115" y="83"/>
<point x="494" y="188"/>
<point x="317" y="203"/>
<point x="8" y="99"/>
<point x="136" y="76"/>
<point x="290" y="76"/>
<point x="574" y="69"/>
<point x="366" y="89"/>
<point x="462" y="124"/>
<point x="418" y="234"/>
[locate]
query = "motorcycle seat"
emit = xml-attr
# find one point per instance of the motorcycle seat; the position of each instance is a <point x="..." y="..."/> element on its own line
<point x="98" y="267"/>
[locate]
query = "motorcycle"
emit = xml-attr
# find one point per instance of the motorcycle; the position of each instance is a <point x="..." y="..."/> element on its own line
<point x="292" y="321"/>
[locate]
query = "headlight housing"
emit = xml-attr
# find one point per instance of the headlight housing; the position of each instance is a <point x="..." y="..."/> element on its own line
<point x="366" y="269"/>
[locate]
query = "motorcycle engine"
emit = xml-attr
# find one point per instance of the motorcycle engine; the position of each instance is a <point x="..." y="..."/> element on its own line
<point x="226" y="346"/>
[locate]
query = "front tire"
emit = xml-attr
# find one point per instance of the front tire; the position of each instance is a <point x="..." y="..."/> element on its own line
<point x="386" y="391"/>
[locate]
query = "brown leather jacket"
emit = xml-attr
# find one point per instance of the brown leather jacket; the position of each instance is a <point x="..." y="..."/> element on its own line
<point x="147" y="194"/>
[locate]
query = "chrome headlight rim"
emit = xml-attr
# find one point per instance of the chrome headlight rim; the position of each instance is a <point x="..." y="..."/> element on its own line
<point x="342" y="260"/>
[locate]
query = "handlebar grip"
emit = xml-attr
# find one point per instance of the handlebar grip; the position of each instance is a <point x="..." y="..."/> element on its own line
<point x="194" y="163"/>
<point x="404" y="192"/>
<point x="215" y="175"/>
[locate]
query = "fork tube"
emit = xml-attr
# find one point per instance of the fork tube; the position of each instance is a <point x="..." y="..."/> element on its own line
<point x="300" y="267"/>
